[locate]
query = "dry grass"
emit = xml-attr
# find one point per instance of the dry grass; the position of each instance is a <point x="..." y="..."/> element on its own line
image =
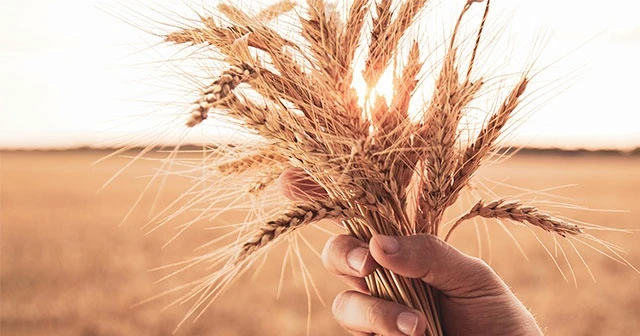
<point x="66" y="268"/>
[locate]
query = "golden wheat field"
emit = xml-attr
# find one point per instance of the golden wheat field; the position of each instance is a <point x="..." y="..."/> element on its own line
<point x="68" y="268"/>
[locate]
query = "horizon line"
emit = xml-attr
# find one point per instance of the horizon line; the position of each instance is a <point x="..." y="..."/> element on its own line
<point x="187" y="147"/>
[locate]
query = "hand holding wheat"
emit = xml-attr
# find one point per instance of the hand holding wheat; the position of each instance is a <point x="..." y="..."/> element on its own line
<point x="473" y="298"/>
<point x="372" y="167"/>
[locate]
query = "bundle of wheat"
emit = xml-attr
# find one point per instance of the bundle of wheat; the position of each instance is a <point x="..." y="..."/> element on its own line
<point x="382" y="171"/>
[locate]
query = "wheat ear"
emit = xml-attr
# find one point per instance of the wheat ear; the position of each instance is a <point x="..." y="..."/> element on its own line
<point x="209" y="33"/>
<point x="386" y="35"/>
<point x="275" y="10"/>
<point x="275" y="123"/>
<point x="264" y="180"/>
<point x="264" y="158"/>
<point x="380" y="24"/>
<point x="350" y="35"/>
<point x="517" y="212"/>
<point x="291" y="220"/>
<point x="321" y="31"/>
<point x="220" y="88"/>
<point x="484" y="143"/>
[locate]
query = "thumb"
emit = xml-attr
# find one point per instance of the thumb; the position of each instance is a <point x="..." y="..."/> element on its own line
<point x="437" y="263"/>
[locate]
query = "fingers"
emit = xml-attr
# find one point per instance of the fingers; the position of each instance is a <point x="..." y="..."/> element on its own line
<point x="348" y="258"/>
<point x="360" y="313"/>
<point x="437" y="263"/>
<point x="296" y="185"/>
<point x="345" y="255"/>
<point x="355" y="283"/>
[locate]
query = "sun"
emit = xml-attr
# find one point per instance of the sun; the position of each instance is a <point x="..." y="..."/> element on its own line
<point x="386" y="88"/>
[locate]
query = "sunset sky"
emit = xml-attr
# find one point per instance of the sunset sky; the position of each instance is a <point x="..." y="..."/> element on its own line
<point x="72" y="74"/>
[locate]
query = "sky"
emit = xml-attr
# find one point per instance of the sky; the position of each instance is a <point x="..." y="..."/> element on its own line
<point x="78" y="73"/>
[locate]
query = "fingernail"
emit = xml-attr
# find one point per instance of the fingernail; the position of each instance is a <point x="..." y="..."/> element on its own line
<point x="407" y="322"/>
<point x="389" y="244"/>
<point x="357" y="257"/>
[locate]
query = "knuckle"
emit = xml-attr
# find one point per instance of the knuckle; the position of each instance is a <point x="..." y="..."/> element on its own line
<point x="486" y="279"/>
<point x="479" y="264"/>
<point x="430" y="248"/>
<point x="481" y="269"/>
<point x="427" y="240"/>
<point x="436" y="245"/>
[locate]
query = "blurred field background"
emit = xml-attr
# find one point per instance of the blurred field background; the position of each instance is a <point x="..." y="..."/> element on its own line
<point x="68" y="268"/>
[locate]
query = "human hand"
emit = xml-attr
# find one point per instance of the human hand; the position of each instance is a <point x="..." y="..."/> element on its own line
<point x="473" y="299"/>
